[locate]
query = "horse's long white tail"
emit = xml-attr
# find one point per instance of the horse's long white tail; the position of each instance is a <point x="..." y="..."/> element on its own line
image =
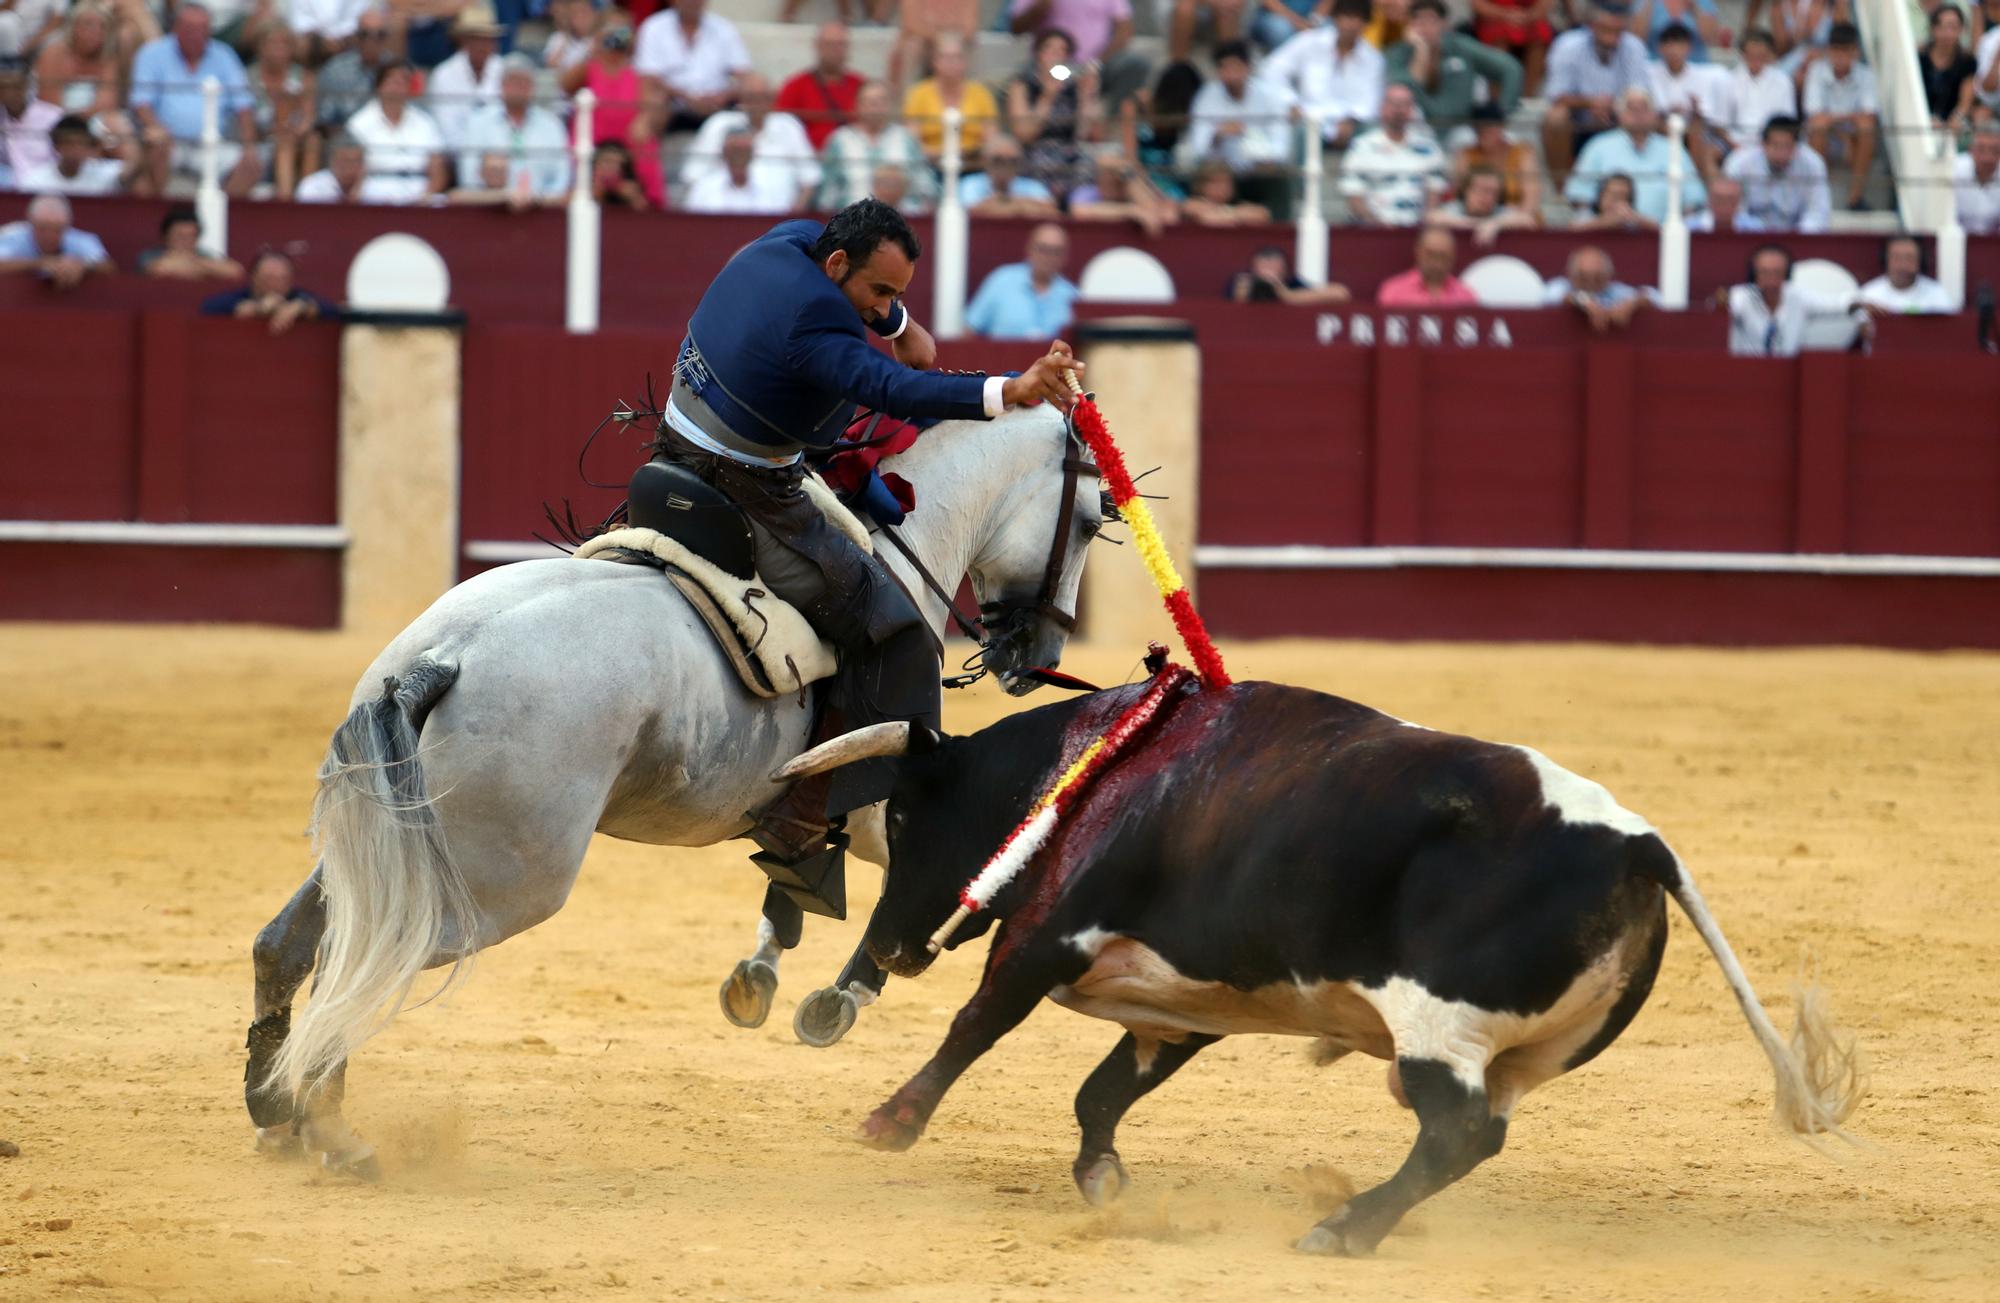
<point x="396" y="903"/>
<point x="1818" y="1075"/>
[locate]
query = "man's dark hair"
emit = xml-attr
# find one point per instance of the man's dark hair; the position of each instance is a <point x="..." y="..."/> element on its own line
<point x="1429" y="7"/>
<point x="1233" y="50"/>
<point x="1756" y="34"/>
<point x="1677" y="32"/>
<point x="1362" y="9"/>
<point x="267" y="254"/>
<point x="1845" y="36"/>
<point x="860" y="228"/>
<point x="1783" y="125"/>
<point x="175" y="216"/>
<point x="71" y="125"/>
<point x="1778" y="249"/>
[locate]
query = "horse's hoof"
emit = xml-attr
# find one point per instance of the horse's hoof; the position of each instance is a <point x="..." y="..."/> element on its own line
<point x="280" y="1142"/>
<point x="359" y="1164"/>
<point x="1333" y="1242"/>
<point x="747" y="995"/>
<point x="1102" y="1181"/>
<point x="825" y="1016"/>
<point x="883" y="1130"/>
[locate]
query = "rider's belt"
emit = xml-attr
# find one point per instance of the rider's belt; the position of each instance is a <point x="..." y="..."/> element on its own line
<point x="692" y="411"/>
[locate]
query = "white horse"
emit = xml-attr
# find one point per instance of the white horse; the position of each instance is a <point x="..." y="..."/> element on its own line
<point x="540" y="702"/>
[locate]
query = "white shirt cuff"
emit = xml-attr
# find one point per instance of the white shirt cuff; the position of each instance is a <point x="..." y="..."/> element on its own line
<point x="901" y="326"/>
<point x="990" y="395"/>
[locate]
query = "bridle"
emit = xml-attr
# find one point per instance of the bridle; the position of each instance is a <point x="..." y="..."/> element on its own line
<point x="1000" y="622"/>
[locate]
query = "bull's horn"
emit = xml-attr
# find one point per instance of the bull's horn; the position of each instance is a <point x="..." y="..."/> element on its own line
<point x="891" y="739"/>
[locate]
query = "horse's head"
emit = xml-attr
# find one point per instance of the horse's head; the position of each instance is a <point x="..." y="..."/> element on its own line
<point x="1028" y="568"/>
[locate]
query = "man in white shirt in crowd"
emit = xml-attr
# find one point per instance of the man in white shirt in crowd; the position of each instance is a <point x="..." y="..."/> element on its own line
<point x="1331" y="72"/>
<point x="737" y="187"/>
<point x="1902" y="287"/>
<point x="26" y="121"/>
<point x="344" y="179"/>
<point x="534" y="140"/>
<point x="1394" y="171"/>
<point x="1725" y="209"/>
<point x="79" y="167"/>
<point x="1768" y="316"/>
<point x="1696" y="92"/>
<point x="1975" y="179"/>
<point x="689" y="61"/>
<point x="404" y="149"/>
<point x="1784" y="182"/>
<point x="1590" y="66"/>
<point x="782" y="150"/>
<point x="1757" y="91"/>
<point x="469" y="80"/>
<point x="1840" y="105"/>
<point x="1237" y="117"/>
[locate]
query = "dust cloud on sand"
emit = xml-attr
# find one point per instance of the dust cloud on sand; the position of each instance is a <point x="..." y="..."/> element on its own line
<point x="579" y="1122"/>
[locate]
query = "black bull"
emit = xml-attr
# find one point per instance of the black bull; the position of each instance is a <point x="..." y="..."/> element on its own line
<point x="1282" y="861"/>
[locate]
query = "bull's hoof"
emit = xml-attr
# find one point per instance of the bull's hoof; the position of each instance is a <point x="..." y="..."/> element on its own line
<point x="1335" y="1242"/>
<point x="747" y="995"/>
<point x="357" y="1164"/>
<point x="1101" y="1180"/>
<point x="281" y="1142"/>
<point x="884" y="1129"/>
<point x="825" y="1016"/>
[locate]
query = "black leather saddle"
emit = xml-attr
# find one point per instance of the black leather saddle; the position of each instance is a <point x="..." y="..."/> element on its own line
<point x="700" y="517"/>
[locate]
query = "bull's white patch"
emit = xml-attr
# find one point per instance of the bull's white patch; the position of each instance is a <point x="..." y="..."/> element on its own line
<point x="1578" y="800"/>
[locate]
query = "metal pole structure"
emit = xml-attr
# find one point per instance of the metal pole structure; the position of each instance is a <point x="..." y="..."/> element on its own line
<point x="1674" y="231"/>
<point x="211" y="205"/>
<point x="1309" y="257"/>
<point x="952" y="237"/>
<point x="583" y="266"/>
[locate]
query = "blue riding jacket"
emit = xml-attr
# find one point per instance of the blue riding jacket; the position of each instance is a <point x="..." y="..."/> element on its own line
<point x="777" y="352"/>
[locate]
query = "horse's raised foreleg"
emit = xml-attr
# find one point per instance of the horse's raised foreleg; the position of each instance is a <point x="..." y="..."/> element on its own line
<point x="749" y="990"/>
<point x="282" y="954"/>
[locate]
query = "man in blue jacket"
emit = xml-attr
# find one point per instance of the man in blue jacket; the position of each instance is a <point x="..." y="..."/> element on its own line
<point x="774" y="360"/>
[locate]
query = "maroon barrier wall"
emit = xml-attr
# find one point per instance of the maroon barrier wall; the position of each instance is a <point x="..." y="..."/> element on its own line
<point x="164" y="418"/>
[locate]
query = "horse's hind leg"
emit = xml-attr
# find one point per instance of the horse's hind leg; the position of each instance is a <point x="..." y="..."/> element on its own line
<point x="750" y="988"/>
<point x="282" y="955"/>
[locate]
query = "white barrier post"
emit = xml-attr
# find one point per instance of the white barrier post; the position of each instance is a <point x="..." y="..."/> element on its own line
<point x="211" y="205"/>
<point x="1950" y="260"/>
<point x="1674" y="231"/>
<point x="952" y="238"/>
<point x="1309" y="256"/>
<point x="582" y="267"/>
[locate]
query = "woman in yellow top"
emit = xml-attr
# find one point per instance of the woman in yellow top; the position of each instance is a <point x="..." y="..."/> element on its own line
<point x="946" y="87"/>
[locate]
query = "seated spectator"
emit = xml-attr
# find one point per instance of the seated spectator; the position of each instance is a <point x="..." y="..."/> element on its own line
<point x="1975" y="180"/>
<point x="281" y="96"/>
<point x="1120" y="192"/>
<point x="737" y="187"/>
<point x="46" y="245"/>
<point x="891" y="184"/>
<point x="166" y="100"/>
<point x="80" y="167"/>
<point x="1589" y="68"/>
<point x="1160" y="119"/>
<point x="1588" y="286"/>
<point x="496" y="184"/>
<point x="1001" y="190"/>
<point x="346" y="82"/>
<point x="1612" y="210"/>
<point x="1027" y="300"/>
<point x="326" y="28"/>
<point x="1725" y="209"/>
<point x="1100" y="35"/>
<point x="1278" y="21"/>
<point x="822" y="97"/>
<point x="1948" y="70"/>
<point x="1271" y="279"/>
<point x="404" y="148"/>
<point x="1214" y="201"/>
<point x="423" y="30"/>
<point x="614" y="180"/>
<point x="621" y="115"/>
<point x="1052" y="110"/>
<point x="342" y="181"/>
<point x="470" y="79"/>
<point x="1480" y="210"/>
<point x="947" y="88"/>
<point x="1700" y="19"/>
<point x="179" y="255"/>
<point x="1757" y="91"/>
<point x="1225" y="20"/>
<point x="78" y="69"/>
<point x="534" y="140"/>
<point x="1768" y="317"/>
<point x="25" y="123"/>
<point x="1446" y="69"/>
<point x="1390" y="23"/>
<point x="572" y="35"/>
<point x="1784" y="182"/>
<point x="1519" y="29"/>
<point x="1237" y="117"/>
<point x="1394" y="171"/>
<point x="1639" y="155"/>
<point x="1986" y="61"/>
<point x="25" y="24"/>
<point x="688" y="60"/>
<point x="1520" y="171"/>
<point x="1331" y="73"/>
<point x="782" y="150"/>
<point x="1430" y="283"/>
<point x="854" y="151"/>
<point x="923" y="25"/>
<point x="1799" y="30"/>
<point x="1902" y="287"/>
<point x="1697" y="92"/>
<point x="272" y="294"/>
<point x="1840" y="106"/>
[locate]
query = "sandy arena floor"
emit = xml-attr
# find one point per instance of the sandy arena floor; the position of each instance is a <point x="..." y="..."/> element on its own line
<point x="580" y="1122"/>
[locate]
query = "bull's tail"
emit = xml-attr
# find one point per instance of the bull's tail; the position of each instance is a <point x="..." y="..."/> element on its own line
<point x="396" y="903"/>
<point x="1819" y="1081"/>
